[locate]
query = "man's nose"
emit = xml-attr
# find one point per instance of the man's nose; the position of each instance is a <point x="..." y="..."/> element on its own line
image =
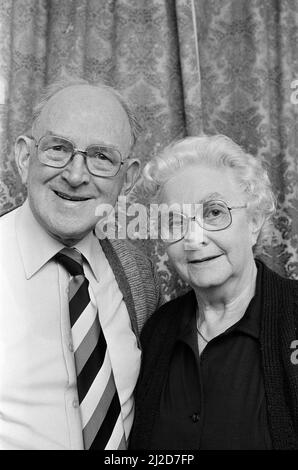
<point x="76" y="171"/>
<point x="194" y="236"/>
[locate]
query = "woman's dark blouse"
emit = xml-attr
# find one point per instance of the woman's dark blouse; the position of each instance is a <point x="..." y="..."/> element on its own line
<point x="217" y="400"/>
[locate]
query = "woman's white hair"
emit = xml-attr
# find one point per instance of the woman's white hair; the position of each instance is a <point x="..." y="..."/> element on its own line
<point x="68" y="81"/>
<point x="216" y="151"/>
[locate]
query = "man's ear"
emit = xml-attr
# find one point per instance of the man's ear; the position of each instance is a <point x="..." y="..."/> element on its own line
<point x="22" y="149"/>
<point x="132" y="174"/>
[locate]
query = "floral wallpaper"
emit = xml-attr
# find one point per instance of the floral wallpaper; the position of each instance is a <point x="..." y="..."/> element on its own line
<point x="187" y="66"/>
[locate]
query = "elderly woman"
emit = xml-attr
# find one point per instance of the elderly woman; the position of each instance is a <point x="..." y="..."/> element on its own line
<point x="218" y="369"/>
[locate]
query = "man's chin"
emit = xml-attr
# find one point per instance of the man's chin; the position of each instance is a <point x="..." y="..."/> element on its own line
<point x="70" y="236"/>
<point x="64" y="224"/>
<point x="69" y="239"/>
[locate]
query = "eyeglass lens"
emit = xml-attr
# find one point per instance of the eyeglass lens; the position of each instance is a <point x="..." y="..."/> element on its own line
<point x="56" y="152"/>
<point x="214" y="215"/>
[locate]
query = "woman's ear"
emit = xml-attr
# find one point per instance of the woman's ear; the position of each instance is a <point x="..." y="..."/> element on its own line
<point x="22" y="149"/>
<point x="256" y="223"/>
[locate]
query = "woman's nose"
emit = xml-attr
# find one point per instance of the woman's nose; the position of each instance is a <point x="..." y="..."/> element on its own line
<point x="76" y="171"/>
<point x="195" y="235"/>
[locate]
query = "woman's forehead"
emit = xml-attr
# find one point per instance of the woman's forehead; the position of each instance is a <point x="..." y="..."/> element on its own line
<point x="198" y="183"/>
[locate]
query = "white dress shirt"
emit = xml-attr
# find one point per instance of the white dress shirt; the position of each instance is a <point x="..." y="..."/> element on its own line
<point x="38" y="396"/>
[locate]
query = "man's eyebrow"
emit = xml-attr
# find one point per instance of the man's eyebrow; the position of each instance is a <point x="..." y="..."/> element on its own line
<point x="99" y="142"/>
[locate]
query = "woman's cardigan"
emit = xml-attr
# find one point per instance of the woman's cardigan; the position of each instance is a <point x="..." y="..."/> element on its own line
<point x="279" y="358"/>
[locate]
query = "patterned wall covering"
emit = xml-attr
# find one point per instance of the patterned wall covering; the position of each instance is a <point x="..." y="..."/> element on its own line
<point x="187" y="65"/>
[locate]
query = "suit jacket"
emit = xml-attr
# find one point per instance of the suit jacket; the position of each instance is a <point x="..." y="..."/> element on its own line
<point x="278" y="338"/>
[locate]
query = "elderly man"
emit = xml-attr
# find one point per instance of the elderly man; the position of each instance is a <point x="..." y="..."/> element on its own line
<point x="71" y="306"/>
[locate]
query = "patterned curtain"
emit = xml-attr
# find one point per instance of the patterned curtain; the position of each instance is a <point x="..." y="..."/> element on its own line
<point x="187" y="65"/>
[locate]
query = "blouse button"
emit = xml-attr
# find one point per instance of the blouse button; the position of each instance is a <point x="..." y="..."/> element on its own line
<point x="195" y="417"/>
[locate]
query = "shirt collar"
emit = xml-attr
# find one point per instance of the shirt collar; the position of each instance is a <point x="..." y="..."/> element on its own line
<point x="37" y="247"/>
<point x="250" y="322"/>
<point x="91" y="250"/>
<point x="188" y="316"/>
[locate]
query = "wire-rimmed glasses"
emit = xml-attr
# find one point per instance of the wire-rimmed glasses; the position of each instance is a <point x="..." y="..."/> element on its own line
<point x="56" y="152"/>
<point x="213" y="216"/>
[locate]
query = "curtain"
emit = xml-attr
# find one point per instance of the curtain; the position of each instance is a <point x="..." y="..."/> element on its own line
<point x="218" y="66"/>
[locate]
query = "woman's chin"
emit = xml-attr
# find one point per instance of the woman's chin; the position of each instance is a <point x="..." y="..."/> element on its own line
<point x="208" y="279"/>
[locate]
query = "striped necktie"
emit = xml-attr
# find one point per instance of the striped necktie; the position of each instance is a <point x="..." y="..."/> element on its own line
<point x="98" y="397"/>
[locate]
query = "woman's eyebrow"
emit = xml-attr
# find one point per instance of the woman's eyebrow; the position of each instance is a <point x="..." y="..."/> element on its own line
<point x="211" y="196"/>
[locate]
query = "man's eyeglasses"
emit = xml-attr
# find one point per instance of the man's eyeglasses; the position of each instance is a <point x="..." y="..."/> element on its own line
<point x="57" y="152"/>
<point x="212" y="216"/>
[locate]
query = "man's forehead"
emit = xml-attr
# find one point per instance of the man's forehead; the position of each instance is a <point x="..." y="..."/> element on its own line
<point x="82" y="98"/>
<point x="82" y="110"/>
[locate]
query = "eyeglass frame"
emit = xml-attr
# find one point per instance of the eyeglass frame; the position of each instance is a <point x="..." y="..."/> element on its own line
<point x="82" y="152"/>
<point x="196" y="219"/>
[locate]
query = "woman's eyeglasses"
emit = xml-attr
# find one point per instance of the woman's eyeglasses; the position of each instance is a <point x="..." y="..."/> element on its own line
<point x="212" y="216"/>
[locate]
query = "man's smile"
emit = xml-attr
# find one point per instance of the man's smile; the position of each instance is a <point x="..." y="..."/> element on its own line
<point x="71" y="197"/>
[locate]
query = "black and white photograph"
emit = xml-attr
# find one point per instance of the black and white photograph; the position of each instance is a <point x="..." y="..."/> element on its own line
<point x="149" y="227"/>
